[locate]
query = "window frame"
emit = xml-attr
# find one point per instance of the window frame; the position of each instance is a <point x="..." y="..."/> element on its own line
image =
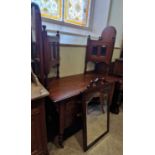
<point x="62" y="23"/>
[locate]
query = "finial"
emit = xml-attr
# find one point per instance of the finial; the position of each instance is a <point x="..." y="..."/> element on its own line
<point x="58" y="34"/>
<point x="44" y="27"/>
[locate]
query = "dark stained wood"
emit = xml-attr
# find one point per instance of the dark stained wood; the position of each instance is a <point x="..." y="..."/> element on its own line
<point x="121" y="55"/>
<point x="51" y="52"/>
<point x="109" y="34"/>
<point x="61" y="123"/>
<point x="38" y="128"/>
<point x="46" y="53"/>
<point x="102" y="68"/>
<point x="65" y="94"/>
<point x="117" y="70"/>
<point x="118" y="67"/>
<point x="61" y="89"/>
<point x="38" y="125"/>
<point x="37" y="45"/>
<point x="117" y="97"/>
<point x="101" y="50"/>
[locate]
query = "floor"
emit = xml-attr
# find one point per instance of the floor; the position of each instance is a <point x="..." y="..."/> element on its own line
<point x="111" y="144"/>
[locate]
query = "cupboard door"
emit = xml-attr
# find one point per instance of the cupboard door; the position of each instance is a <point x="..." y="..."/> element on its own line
<point x="38" y="129"/>
<point x="70" y="112"/>
<point x="36" y="141"/>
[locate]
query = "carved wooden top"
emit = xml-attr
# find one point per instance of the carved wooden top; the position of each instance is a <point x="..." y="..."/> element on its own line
<point x="63" y="88"/>
<point x="101" y="50"/>
<point x="109" y="34"/>
<point x="97" y="82"/>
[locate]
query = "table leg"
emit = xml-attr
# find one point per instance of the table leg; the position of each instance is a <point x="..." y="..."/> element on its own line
<point x="61" y="123"/>
<point x="114" y="108"/>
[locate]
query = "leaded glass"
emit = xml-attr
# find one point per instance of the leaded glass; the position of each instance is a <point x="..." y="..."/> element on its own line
<point x="76" y="12"/>
<point x="50" y="8"/>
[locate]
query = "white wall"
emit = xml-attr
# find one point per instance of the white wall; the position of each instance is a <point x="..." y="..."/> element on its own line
<point x="72" y="61"/>
<point x="100" y="19"/>
<point x="72" y="58"/>
<point x="116" y="19"/>
<point x="101" y="14"/>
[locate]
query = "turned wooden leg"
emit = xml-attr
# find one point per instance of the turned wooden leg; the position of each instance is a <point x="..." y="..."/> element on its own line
<point x="61" y="123"/>
<point x="102" y="103"/>
<point x="114" y="106"/>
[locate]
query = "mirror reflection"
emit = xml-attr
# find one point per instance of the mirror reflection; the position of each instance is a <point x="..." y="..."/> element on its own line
<point x="96" y="116"/>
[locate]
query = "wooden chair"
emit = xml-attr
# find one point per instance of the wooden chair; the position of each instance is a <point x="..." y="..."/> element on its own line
<point x="38" y="92"/>
<point x="36" y="43"/>
<point x="100" y="51"/>
<point x="51" y="62"/>
<point x="51" y="53"/>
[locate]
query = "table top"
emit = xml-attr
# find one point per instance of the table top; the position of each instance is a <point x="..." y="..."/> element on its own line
<point x="63" y="88"/>
<point x="38" y="91"/>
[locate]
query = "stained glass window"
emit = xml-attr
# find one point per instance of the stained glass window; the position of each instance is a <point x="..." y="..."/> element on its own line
<point x="68" y="11"/>
<point x="51" y="9"/>
<point x="76" y="12"/>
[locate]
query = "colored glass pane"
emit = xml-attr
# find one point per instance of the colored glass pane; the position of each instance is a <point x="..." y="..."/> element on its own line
<point x="76" y="12"/>
<point x="50" y="8"/>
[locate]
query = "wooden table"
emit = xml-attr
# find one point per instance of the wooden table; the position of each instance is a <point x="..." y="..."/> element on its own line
<point x="65" y="92"/>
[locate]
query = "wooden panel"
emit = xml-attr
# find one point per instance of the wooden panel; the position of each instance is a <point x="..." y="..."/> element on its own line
<point x="64" y="88"/>
<point x="36" y="42"/>
<point x="104" y="47"/>
<point x="118" y="67"/>
<point x="51" y="52"/>
<point x="36" y="141"/>
<point x="71" y="110"/>
<point x="38" y="128"/>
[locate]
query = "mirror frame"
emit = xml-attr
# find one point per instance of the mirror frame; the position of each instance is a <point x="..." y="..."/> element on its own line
<point x="101" y="86"/>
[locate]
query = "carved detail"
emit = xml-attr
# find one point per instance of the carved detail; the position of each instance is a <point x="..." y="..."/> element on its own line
<point x="88" y="38"/>
<point x="97" y="82"/>
<point x="58" y="34"/>
<point x="107" y="39"/>
<point x="109" y="34"/>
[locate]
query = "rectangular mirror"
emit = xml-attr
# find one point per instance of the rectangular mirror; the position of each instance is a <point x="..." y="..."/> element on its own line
<point x="95" y="114"/>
